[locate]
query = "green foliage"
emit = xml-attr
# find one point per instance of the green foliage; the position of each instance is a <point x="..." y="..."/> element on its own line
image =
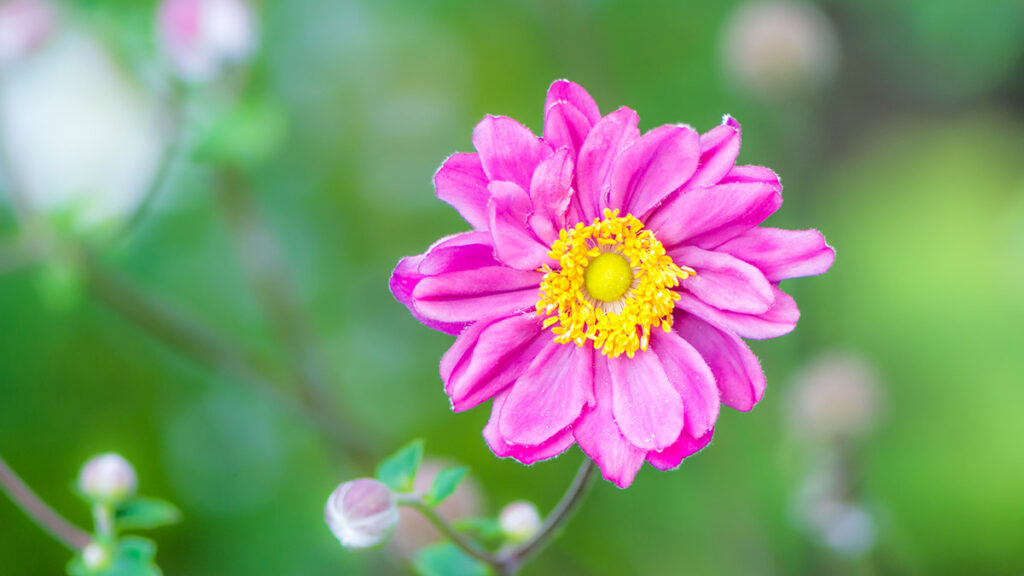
<point x="447" y="560"/>
<point x="146" y="513"/>
<point x="399" y="470"/>
<point x="486" y="529"/>
<point x="444" y="485"/>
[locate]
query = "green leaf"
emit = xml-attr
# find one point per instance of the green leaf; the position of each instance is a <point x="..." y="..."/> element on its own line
<point x="399" y="471"/>
<point x="134" y="557"/>
<point x="444" y="485"/>
<point x="447" y="560"/>
<point x="146" y="513"/>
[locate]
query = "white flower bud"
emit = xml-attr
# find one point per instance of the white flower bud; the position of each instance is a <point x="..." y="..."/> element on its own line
<point x="779" y="49"/>
<point x="107" y="478"/>
<point x="361" y="513"/>
<point x="201" y="37"/>
<point x="24" y="25"/>
<point x="519" y="520"/>
<point x="95" y="556"/>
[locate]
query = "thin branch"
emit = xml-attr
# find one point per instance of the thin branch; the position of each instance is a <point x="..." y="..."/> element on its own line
<point x="262" y="259"/>
<point x="202" y="346"/>
<point x="54" y="524"/>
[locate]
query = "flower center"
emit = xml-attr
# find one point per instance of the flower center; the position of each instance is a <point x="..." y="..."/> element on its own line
<point x="608" y="277"/>
<point x="613" y="283"/>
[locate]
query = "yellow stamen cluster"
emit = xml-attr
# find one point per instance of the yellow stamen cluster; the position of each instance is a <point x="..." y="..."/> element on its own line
<point x="618" y="326"/>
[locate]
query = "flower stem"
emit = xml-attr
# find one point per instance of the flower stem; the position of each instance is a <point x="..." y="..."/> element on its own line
<point x="52" y="523"/>
<point x="465" y="544"/>
<point x="512" y="559"/>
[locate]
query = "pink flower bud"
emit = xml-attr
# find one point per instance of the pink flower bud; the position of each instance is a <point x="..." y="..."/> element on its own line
<point x="107" y="478"/>
<point x="24" y="25"/>
<point x="201" y="37"/>
<point x="836" y="395"/>
<point x="361" y="513"/>
<point x="519" y="520"/>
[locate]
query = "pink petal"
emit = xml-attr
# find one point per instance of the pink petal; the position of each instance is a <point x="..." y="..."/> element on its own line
<point x="471" y="295"/>
<point x="461" y="182"/>
<point x="502" y="448"/>
<point x="719" y="148"/>
<point x="550" y="395"/>
<point x="751" y="174"/>
<point x="725" y="282"/>
<point x="550" y="191"/>
<point x="647" y="407"/>
<point x="779" y="320"/>
<point x="782" y="254"/>
<point x="707" y="217"/>
<point x="606" y="140"/>
<point x="737" y="372"/>
<point x="691" y="377"/>
<point x="574" y="95"/>
<point x="673" y="456"/>
<point x="488" y="356"/>
<point x="514" y="241"/>
<point x="566" y="127"/>
<point x="449" y="254"/>
<point x="599" y="437"/>
<point x="652" y="168"/>
<point x="508" y="150"/>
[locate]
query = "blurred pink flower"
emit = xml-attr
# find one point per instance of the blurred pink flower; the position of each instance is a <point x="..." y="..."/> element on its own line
<point x="24" y="25"/>
<point x="582" y="242"/>
<point x="201" y="37"/>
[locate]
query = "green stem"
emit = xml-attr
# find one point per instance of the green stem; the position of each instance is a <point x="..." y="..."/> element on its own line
<point x="45" y="517"/>
<point x="513" y="559"/>
<point x="465" y="544"/>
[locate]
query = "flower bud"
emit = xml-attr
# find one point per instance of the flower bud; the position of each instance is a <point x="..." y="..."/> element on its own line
<point x="107" y="478"/>
<point x="24" y="25"/>
<point x="201" y="37"/>
<point x="361" y="513"/>
<point x="835" y="396"/>
<point x="780" y="49"/>
<point x="95" y="556"/>
<point x="519" y="521"/>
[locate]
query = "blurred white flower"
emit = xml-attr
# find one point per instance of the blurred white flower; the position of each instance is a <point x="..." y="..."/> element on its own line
<point x="79" y="136"/>
<point x="519" y="520"/>
<point x="24" y="26"/>
<point x="835" y="395"/>
<point x="201" y="37"/>
<point x="415" y="532"/>
<point x="361" y="513"/>
<point x="777" y="49"/>
<point x="107" y="478"/>
<point x="825" y="507"/>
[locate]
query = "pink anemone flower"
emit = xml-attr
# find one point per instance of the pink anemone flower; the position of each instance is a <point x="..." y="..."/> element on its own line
<point x="604" y="292"/>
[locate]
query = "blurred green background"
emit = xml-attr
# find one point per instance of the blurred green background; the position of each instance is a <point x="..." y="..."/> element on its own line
<point x="906" y="150"/>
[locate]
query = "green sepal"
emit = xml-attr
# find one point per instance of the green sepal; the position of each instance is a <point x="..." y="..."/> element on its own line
<point x="444" y="485"/>
<point x="399" y="471"/>
<point x="146" y="513"/>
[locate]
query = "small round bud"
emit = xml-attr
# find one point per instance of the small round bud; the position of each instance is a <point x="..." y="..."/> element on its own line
<point x="519" y="521"/>
<point x="361" y="513"/>
<point x="201" y="37"/>
<point x="107" y="478"/>
<point x="836" y="395"/>
<point x="95" y="556"/>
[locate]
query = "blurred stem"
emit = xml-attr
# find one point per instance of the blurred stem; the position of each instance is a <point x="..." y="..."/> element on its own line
<point x="45" y="517"/>
<point x="261" y="257"/>
<point x="196" y="342"/>
<point x="512" y="560"/>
